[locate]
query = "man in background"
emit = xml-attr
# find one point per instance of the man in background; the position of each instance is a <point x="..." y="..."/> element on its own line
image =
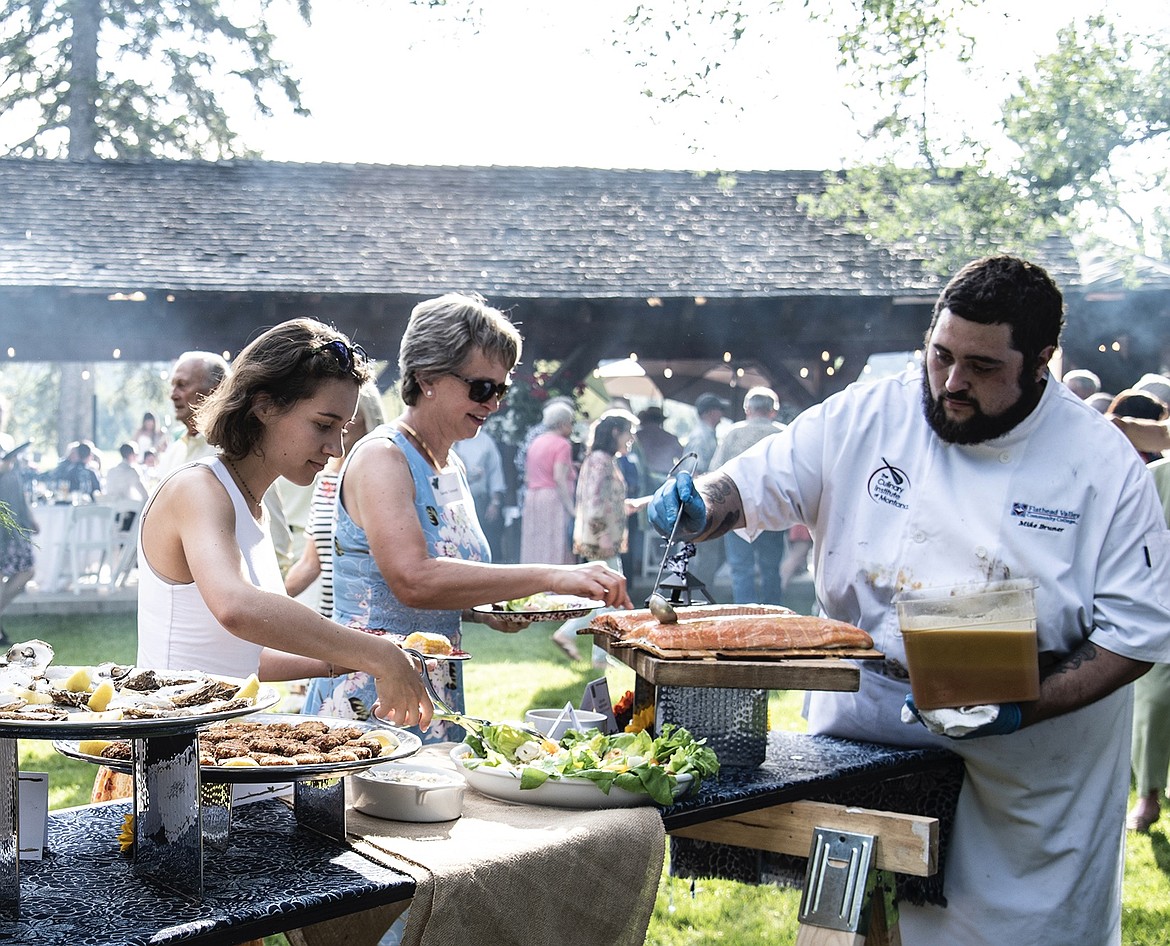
<point x="703" y="440"/>
<point x="75" y="473"/>
<point x="657" y="446"/>
<point x="124" y="481"/>
<point x="1082" y="382"/>
<point x="755" y="565"/>
<point x="195" y="375"/>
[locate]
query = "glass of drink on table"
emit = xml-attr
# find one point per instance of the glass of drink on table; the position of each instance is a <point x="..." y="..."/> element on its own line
<point x="971" y="644"/>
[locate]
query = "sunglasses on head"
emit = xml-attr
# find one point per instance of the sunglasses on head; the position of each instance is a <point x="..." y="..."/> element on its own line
<point x="481" y="390"/>
<point x="346" y="355"/>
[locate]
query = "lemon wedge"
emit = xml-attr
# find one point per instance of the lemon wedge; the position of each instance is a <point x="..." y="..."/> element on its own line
<point x="387" y="740"/>
<point x="34" y="697"/>
<point x="92" y="746"/>
<point x="101" y="696"/>
<point x="78" y="682"/>
<point x="105" y="716"/>
<point x="248" y="689"/>
<point x="239" y="762"/>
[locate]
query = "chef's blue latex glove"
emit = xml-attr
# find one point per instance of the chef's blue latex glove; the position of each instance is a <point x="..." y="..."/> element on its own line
<point x="964" y="722"/>
<point x="678" y="499"/>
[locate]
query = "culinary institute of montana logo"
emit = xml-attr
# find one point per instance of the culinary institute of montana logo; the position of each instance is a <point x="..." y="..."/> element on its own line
<point x="888" y="484"/>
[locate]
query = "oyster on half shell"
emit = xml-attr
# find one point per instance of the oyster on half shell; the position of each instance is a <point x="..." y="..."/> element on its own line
<point x="31" y="689"/>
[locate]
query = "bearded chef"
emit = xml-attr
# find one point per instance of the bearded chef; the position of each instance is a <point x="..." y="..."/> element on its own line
<point x="980" y="467"/>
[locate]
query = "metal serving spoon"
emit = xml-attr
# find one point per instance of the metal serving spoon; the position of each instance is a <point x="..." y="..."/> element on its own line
<point x="662" y="609"/>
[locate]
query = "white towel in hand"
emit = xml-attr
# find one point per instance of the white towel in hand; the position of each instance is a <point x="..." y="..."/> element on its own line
<point x="954" y="722"/>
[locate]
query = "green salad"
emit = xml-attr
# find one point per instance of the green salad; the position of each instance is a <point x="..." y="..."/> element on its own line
<point x="636" y="762"/>
<point x="544" y="601"/>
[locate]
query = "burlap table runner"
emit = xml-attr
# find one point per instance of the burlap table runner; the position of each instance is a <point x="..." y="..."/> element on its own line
<point x="502" y="873"/>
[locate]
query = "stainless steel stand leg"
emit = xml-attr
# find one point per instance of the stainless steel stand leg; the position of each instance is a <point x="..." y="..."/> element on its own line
<point x="216" y="803"/>
<point x="9" y="829"/>
<point x="168" y="847"/>
<point x="320" y="806"/>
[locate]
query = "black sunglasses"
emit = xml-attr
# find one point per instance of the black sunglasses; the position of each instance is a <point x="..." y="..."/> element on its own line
<point x="346" y="355"/>
<point x="481" y="390"/>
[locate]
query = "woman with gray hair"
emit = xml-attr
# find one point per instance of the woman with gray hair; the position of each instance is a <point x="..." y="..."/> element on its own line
<point x="409" y="554"/>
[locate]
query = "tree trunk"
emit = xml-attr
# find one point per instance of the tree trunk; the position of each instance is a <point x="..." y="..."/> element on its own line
<point x="83" y="79"/>
<point x="75" y="409"/>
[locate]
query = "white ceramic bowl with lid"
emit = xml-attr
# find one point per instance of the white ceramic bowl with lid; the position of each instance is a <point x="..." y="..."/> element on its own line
<point x="409" y="791"/>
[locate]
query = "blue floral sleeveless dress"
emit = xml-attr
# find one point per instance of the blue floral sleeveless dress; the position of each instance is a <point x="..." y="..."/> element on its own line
<point x="361" y="597"/>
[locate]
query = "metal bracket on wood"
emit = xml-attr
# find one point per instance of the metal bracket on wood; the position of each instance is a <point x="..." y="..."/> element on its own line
<point x="835" y="883"/>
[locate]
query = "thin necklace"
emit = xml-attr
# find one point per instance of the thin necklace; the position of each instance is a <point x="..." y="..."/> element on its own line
<point x="243" y="483"/>
<point x="422" y="443"/>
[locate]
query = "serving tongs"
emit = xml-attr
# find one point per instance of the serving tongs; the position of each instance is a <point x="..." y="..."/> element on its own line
<point x="471" y="723"/>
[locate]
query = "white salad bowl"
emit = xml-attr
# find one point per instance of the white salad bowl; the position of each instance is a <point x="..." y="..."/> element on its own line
<point x="504" y="785"/>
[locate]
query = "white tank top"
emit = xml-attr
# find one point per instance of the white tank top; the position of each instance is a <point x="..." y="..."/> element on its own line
<point x="176" y="629"/>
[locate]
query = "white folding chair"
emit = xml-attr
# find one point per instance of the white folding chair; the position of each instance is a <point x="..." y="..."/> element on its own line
<point x="90" y="541"/>
<point x="124" y="539"/>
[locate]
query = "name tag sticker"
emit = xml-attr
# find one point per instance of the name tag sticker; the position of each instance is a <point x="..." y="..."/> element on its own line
<point x="446" y="486"/>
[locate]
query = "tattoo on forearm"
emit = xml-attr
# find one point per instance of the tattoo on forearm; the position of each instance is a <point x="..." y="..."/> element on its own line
<point x="720" y="489"/>
<point x="1077" y="659"/>
<point x="724" y="512"/>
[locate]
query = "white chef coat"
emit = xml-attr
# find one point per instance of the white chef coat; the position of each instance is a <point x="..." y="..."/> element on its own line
<point x="1036" y="855"/>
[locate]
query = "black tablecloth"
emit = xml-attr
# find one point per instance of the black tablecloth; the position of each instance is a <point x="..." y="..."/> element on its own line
<point x="800" y="767"/>
<point x="273" y="876"/>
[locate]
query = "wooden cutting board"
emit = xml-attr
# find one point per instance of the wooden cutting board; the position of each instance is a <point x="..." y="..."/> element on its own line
<point x="828" y="670"/>
<point x="839" y="653"/>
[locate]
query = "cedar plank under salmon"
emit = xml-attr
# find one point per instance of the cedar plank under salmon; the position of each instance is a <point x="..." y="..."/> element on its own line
<point x="727" y="628"/>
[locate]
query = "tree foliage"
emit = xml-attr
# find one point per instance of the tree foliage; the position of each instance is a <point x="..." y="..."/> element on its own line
<point x="1078" y="125"/>
<point x="1082" y="147"/>
<point x="1092" y="105"/>
<point x="136" y="78"/>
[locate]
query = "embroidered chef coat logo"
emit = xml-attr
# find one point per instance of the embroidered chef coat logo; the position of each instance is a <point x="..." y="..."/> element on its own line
<point x="888" y="484"/>
<point x="1044" y="518"/>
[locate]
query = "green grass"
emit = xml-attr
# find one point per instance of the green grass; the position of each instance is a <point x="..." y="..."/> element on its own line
<point x="514" y="672"/>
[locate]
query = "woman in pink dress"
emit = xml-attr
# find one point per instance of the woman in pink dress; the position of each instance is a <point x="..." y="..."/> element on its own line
<point x="549" y="488"/>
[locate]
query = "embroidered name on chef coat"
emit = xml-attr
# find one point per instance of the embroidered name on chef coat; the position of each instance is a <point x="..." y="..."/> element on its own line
<point x="1043" y="518"/>
<point x="889" y="484"/>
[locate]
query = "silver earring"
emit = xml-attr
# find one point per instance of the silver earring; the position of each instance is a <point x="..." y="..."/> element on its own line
<point x="430" y="393"/>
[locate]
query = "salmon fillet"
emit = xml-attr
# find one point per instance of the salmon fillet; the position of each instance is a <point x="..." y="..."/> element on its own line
<point x="727" y="628"/>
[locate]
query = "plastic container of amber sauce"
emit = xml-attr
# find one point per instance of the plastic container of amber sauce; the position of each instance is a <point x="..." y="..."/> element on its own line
<point x="971" y="644"/>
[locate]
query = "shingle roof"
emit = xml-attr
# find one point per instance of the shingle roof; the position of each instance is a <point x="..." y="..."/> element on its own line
<point x="508" y="232"/>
